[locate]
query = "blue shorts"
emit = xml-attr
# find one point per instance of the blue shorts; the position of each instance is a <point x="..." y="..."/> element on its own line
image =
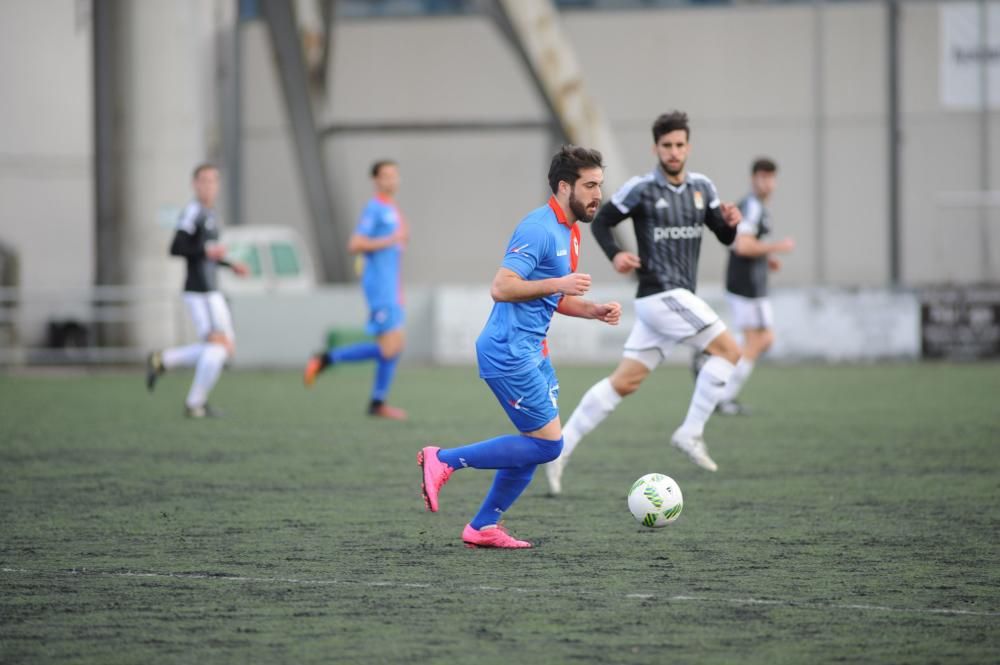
<point x="385" y="319"/>
<point x="531" y="399"/>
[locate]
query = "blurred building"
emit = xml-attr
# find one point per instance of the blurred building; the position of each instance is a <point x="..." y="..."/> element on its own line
<point x="875" y="112"/>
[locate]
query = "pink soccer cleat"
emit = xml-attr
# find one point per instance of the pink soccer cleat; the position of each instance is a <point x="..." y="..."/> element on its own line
<point x="492" y="536"/>
<point x="436" y="474"/>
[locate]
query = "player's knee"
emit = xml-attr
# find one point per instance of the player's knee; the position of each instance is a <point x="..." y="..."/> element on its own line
<point x="391" y="345"/>
<point x="767" y="339"/>
<point x="626" y="385"/>
<point x="628" y="377"/>
<point x="730" y="352"/>
<point x="223" y="340"/>
<point x="548" y="450"/>
<point x="390" y="352"/>
<point x="218" y="351"/>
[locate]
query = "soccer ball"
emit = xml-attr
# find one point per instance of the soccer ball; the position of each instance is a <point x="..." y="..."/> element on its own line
<point x="655" y="500"/>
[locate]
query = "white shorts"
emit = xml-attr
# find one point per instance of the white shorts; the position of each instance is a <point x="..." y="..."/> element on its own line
<point x="209" y="313"/>
<point x="750" y="313"/>
<point x="666" y="319"/>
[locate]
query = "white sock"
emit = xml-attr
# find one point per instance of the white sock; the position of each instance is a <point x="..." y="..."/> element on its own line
<point x="181" y="356"/>
<point x="206" y="373"/>
<point x="596" y="405"/>
<point x="736" y="381"/>
<point x="708" y="390"/>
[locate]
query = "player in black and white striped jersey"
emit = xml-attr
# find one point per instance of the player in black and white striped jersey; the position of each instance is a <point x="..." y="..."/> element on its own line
<point x="751" y="259"/>
<point x="196" y="241"/>
<point x="669" y="208"/>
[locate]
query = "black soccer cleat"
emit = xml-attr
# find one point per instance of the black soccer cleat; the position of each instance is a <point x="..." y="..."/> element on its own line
<point x="154" y="369"/>
<point x="316" y="364"/>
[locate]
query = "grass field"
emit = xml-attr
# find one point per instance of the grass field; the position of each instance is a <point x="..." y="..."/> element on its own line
<point x="854" y="519"/>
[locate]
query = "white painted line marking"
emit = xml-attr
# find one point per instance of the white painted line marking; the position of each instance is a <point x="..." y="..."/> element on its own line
<point x="547" y="592"/>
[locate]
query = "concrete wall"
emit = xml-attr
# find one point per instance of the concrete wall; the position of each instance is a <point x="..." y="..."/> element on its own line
<point x="46" y="194"/>
<point x="942" y="152"/>
<point x="825" y="324"/>
<point x="165" y="121"/>
<point x="803" y="83"/>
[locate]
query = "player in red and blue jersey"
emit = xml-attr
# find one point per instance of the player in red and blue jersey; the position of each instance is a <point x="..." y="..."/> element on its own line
<point x="380" y="236"/>
<point x="537" y="278"/>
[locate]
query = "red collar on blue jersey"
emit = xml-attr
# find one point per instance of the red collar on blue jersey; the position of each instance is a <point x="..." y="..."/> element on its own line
<point x="557" y="209"/>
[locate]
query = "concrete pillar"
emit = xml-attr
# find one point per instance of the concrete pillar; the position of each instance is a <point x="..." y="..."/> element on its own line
<point x="166" y="119"/>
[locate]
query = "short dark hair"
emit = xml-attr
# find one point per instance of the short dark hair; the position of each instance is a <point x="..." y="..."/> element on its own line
<point x="567" y="163"/>
<point x="379" y="163"/>
<point x="204" y="166"/>
<point x="763" y="164"/>
<point x="670" y="122"/>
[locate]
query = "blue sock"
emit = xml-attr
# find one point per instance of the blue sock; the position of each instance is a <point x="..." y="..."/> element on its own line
<point x="507" y="486"/>
<point x="384" y="372"/>
<point x="353" y="352"/>
<point x="503" y="452"/>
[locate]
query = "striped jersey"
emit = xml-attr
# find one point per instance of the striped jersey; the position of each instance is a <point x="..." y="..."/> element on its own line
<point x="669" y="221"/>
<point x="747" y="275"/>
<point x="196" y="228"/>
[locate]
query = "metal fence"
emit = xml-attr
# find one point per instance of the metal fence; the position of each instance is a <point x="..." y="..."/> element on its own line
<point x="90" y="325"/>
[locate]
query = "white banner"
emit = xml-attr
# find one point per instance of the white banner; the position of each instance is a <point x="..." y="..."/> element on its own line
<point x="964" y="55"/>
<point x="825" y="324"/>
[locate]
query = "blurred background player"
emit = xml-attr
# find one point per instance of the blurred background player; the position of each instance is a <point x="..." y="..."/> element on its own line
<point x="669" y="208"/>
<point x="380" y="236"/>
<point x="196" y="240"/>
<point x="537" y="278"/>
<point x="746" y="279"/>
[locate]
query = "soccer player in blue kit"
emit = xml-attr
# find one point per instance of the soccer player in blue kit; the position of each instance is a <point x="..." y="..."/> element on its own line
<point x="536" y="279"/>
<point x="380" y="236"/>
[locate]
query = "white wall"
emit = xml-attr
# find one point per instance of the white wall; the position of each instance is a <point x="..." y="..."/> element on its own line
<point x="443" y="322"/>
<point x="942" y="152"/>
<point x="46" y="193"/>
<point x="803" y="84"/>
<point x="749" y="75"/>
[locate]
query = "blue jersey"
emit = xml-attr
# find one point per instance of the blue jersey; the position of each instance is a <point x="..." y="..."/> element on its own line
<point x="381" y="277"/>
<point x="544" y="245"/>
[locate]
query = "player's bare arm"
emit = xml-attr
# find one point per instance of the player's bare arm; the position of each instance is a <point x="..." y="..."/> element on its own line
<point x="508" y="286"/>
<point x="731" y="214"/>
<point x="362" y="244"/>
<point x="723" y="220"/>
<point x="625" y="262"/>
<point x="575" y="306"/>
<point x="749" y="246"/>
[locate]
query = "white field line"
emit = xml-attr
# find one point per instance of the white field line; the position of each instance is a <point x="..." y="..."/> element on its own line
<point x="520" y="590"/>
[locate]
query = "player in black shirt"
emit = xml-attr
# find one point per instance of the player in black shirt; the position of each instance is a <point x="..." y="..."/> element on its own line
<point x="196" y="240"/>
<point x="670" y="209"/>
<point x="751" y="259"/>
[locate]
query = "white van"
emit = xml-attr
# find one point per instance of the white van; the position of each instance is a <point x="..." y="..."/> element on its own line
<point x="277" y="256"/>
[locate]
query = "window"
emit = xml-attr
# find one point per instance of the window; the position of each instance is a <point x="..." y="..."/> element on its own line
<point x="285" y="260"/>
<point x="249" y="255"/>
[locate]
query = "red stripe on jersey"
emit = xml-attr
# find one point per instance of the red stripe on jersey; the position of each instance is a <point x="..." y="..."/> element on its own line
<point x="574" y="251"/>
<point x="574" y="247"/>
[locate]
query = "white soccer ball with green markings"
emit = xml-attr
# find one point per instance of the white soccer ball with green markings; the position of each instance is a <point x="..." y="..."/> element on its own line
<point x="655" y="500"/>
